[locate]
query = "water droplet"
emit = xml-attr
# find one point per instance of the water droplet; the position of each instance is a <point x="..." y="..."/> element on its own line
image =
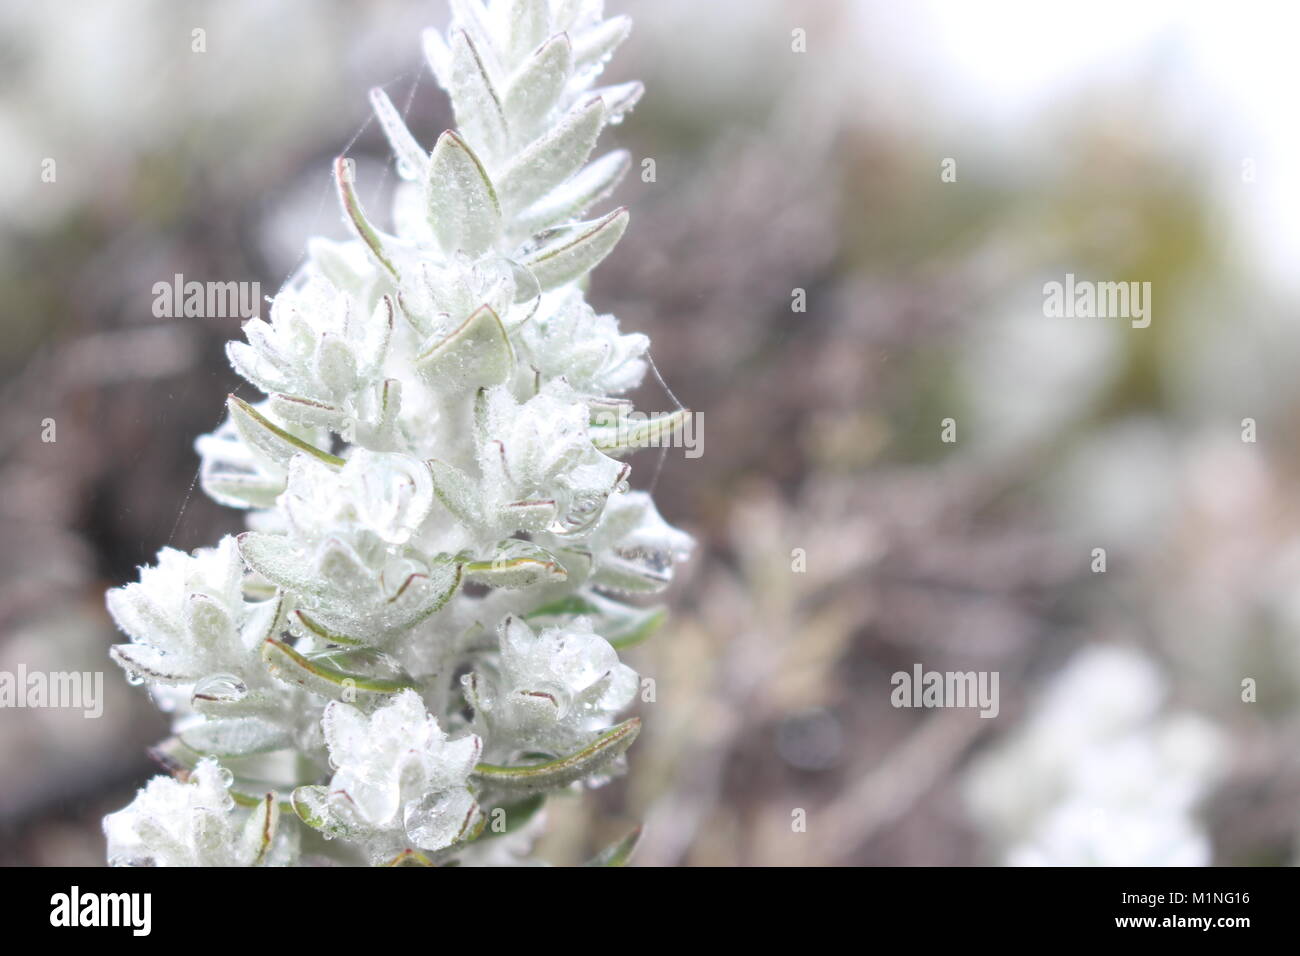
<point x="220" y="689"/>
<point x="653" y="561"/>
<point x="439" y="819"/>
<point x="585" y="512"/>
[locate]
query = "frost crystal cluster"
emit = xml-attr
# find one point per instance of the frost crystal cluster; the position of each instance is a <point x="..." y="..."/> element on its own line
<point x="417" y="638"/>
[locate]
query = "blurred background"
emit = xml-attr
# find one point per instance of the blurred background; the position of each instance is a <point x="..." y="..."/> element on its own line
<point x="919" y="171"/>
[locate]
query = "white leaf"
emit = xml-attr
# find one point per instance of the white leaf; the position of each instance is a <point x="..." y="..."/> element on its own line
<point x="274" y="558"/>
<point x="378" y="333"/>
<point x="438" y="55"/>
<point x="456" y="491"/>
<point x="476" y="354"/>
<point x="235" y="737"/>
<point x="575" y="251"/>
<point x="595" y="182"/>
<point x="473" y="17"/>
<point x="273" y="443"/>
<point x="149" y="663"/>
<point x="593" y="47"/>
<point x="619" y="99"/>
<point x="306" y="411"/>
<point x="385" y="249"/>
<point x="516" y="564"/>
<point x="553" y="157"/>
<point x="479" y="114"/>
<point x="411" y="159"/>
<point x="528" y="23"/>
<point x="256" y="368"/>
<point x="441" y="819"/>
<point x="537" y="85"/>
<point x="258" y="835"/>
<point x="463" y="210"/>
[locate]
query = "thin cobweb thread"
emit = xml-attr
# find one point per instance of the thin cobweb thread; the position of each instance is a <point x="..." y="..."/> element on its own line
<point x="315" y="221"/>
<point x="320" y="205"/>
<point x="663" y="450"/>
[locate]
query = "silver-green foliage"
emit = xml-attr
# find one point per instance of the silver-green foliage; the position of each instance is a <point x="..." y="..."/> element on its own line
<point x="417" y="638"/>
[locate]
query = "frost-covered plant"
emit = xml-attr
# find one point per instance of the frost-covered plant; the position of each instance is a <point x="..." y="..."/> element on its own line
<point x="417" y="639"/>
<point x="1098" y="775"/>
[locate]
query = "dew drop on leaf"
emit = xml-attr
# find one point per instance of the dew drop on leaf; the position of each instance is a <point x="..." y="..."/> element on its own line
<point x="221" y="688"/>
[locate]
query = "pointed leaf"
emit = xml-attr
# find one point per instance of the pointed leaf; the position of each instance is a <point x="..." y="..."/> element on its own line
<point x="382" y="247"/>
<point x="259" y="831"/>
<point x="316" y="676"/>
<point x="457" y="493"/>
<point x="463" y="209"/>
<point x="423" y="595"/>
<point x="642" y="432"/>
<point x="595" y="182"/>
<point x="366" y="663"/>
<point x="473" y="17"/>
<point x="575" y="251"/>
<point x="317" y="629"/>
<point x="529" y="22"/>
<point x="306" y="411"/>
<point x="479" y="114"/>
<point x="411" y="158"/>
<point x="475" y="355"/>
<point x="255" y="367"/>
<point x="235" y="737"/>
<point x="147" y="663"/>
<point x="438" y="56"/>
<point x="553" y="157"/>
<point x="270" y="440"/>
<point x="276" y="559"/>
<point x="233" y="473"/>
<point x="593" y="47"/>
<point x="138" y="615"/>
<point x="535" y="514"/>
<point x="516" y="564"/>
<point x="390" y="407"/>
<point x="312" y="805"/>
<point x="620" y="99"/>
<point x="378" y="335"/>
<point x="563" y="771"/>
<point x="537" y="85"/>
